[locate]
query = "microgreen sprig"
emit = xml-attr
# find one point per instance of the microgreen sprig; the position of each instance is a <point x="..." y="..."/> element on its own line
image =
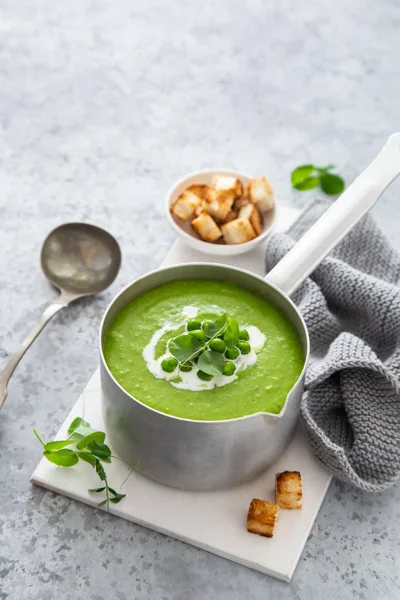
<point x="207" y="343"/>
<point x="308" y="177"/>
<point x="89" y="446"/>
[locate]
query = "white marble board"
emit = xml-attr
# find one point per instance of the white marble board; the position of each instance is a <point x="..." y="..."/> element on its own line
<point x="214" y="521"/>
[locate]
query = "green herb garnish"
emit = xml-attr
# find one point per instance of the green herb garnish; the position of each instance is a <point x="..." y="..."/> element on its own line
<point x="207" y="346"/>
<point x="89" y="446"/>
<point x="307" y="177"/>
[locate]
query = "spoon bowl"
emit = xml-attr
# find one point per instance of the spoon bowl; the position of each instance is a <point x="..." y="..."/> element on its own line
<point x="80" y="258"/>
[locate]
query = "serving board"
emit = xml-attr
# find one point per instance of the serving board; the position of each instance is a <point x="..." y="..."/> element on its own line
<point x="213" y="521"/>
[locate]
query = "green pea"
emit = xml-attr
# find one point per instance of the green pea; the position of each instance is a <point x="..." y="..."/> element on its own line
<point x="206" y="323"/>
<point x="232" y="353"/>
<point x="229" y="368"/>
<point x="244" y="335"/>
<point x="193" y="324"/>
<point x="244" y="347"/>
<point x="169" y="364"/>
<point x="186" y="367"/>
<point x="218" y="345"/>
<point x="204" y="376"/>
<point x="198" y="334"/>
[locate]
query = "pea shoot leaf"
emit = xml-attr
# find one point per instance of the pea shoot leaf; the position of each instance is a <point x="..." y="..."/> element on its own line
<point x="301" y="173"/>
<point x="307" y="177"/>
<point x="184" y="346"/>
<point x="97" y="436"/>
<point x="211" y="362"/>
<point x="331" y="184"/>
<point x="212" y="328"/>
<point x="57" y="445"/>
<point x="100" y="450"/>
<point x="79" y="427"/>
<point x="62" y="458"/>
<point x="307" y="184"/>
<point x="231" y="335"/>
<point x="117" y="496"/>
<point x="88" y="457"/>
<point x="100" y="470"/>
<point x="96" y="490"/>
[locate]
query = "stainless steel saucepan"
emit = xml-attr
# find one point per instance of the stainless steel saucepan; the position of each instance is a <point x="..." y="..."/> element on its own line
<point x="208" y="455"/>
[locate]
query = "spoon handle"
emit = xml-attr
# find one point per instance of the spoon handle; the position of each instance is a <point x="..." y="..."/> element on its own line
<point x="5" y="374"/>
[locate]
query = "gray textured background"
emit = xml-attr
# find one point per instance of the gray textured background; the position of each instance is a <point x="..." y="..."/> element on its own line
<point x="102" y="106"/>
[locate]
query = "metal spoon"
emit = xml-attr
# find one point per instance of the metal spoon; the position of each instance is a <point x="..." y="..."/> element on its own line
<point x="78" y="259"/>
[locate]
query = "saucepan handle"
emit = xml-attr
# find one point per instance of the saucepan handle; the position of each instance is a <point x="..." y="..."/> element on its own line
<point x="337" y="221"/>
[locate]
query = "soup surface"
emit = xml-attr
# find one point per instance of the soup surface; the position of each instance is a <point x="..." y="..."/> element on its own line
<point x="138" y="338"/>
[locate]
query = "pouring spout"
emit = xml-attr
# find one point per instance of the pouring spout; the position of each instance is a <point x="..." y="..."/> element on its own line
<point x="341" y="217"/>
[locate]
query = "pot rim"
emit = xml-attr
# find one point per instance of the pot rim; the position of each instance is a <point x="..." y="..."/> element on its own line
<point x="275" y="416"/>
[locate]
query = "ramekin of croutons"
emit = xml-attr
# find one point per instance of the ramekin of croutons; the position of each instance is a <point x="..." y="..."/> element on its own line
<point x="220" y="211"/>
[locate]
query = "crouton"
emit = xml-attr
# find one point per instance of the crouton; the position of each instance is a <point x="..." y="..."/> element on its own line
<point x="206" y="227"/>
<point x="231" y="216"/>
<point x="262" y="517"/>
<point x="261" y="194"/>
<point x="226" y="185"/>
<point x="200" y="208"/>
<point x="217" y="204"/>
<point x="238" y="231"/>
<point x="289" y="489"/>
<point x="240" y="202"/>
<point x="251" y="213"/>
<point x="198" y="189"/>
<point x="185" y="205"/>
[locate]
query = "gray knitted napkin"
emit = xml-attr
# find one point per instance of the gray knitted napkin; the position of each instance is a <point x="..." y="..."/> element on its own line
<point x="351" y="304"/>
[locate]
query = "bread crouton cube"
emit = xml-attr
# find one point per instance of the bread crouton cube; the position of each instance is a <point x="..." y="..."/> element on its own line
<point x="251" y="213"/>
<point x="185" y="205"/>
<point x="288" y="490"/>
<point x="231" y="216"/>
<point x="199" y="209"/>
<point x="217" y="205"/>
<point x="238" y="231"/>
<point x="198" y="189"/>
<point x="227" y="185"/>
<point x="261" y="194"/>
<point x="240" y="202"/>
<point x="206" y="227"/>
<point x="262" y="517"/>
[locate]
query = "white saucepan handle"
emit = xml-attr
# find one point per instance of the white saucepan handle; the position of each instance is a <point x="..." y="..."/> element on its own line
<point x="331" y="228"/>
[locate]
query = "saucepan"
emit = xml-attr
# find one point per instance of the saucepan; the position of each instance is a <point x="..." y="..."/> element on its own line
<point x="209" y="455"/>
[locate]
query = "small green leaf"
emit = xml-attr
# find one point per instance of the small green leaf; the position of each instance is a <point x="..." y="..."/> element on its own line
<point x="231" y="335"/>
<point x="213" y="328"/>
<point x="116" y="494"/>
<point x="117" y="498"/>
<point x="308" y="183"/>
<point x="62" y="458"/>
<point x="97" y="436"/>
<point x="88" y="457"/>
<point x="211" y="362"/>
<point x="57" y="445"/>
<point x="332" y="184"/>
<point x="100" y="470"/>
<point x="80" y="428"/>
<point x="301" y="173"/>
<point x="102" y="503"/>
<point x="100" y="450"/>
<point x="96" y="490"/>
<point x="184" y="346"/>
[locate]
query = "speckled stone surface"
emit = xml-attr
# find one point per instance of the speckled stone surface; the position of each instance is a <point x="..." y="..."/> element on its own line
<point x="102" y="106"/>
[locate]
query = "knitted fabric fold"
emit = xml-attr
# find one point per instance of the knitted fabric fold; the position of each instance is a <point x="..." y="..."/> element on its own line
<point x="351" y="304"/>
